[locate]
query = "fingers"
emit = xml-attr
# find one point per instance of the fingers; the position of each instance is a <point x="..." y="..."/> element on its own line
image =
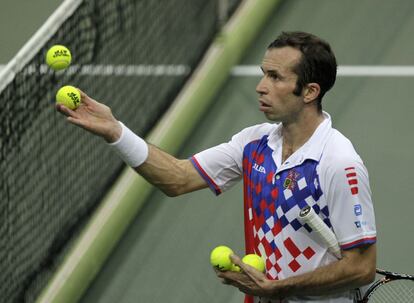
<point x="82" y="93"/>
<point x="236" y="260"/>
<point x="77" y="122"/>
<point x="220" y="275"/>
<point x="248" y="274"/>
<point x="241" y="281"/>
<point x="64" y="110"/>
<point x="70" y="114"/>
<point x="86" y="99"/>
<point x="249" y="281"/>
<point x="252" y="272"/>
<point x="229" y="276"/>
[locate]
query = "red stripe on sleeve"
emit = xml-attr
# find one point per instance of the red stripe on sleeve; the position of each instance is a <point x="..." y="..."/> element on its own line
<point x="205" y="176"/>
<point x="353" y="181"/>
<point x="367" y="240"/>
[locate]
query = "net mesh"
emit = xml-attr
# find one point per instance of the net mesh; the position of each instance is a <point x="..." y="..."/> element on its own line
<point x="133" y="56"/>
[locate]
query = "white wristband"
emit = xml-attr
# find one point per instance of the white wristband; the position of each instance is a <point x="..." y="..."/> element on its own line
<point x="130" y="147"/>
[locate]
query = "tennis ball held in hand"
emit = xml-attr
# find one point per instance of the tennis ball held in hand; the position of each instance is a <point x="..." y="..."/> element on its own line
<point x="220" y="258"/>
<point x="254" y="260"/>
<point x="235" y="268"/>
<point x="69" y="96"/>
<point x="58" y="57"/>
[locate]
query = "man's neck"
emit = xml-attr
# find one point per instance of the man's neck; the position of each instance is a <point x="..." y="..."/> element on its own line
<point x="296" y="133"/>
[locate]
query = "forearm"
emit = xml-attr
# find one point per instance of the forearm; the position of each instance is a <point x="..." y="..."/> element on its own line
<point x="171" y="175"/>
<point x="333" y="278"/>
<point x="345" y="274"/>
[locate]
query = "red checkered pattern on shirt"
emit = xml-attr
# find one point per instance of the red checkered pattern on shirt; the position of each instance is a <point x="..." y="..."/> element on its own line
<point x="272" y="205"/>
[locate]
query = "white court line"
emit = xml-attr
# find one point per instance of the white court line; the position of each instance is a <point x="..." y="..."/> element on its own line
<point x="343" y="71"/>
<point x="114" y="70"/>
<point x="237" y="71"/>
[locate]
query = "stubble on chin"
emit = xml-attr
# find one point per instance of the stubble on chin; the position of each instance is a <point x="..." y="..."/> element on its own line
<point x="272" y="118"/>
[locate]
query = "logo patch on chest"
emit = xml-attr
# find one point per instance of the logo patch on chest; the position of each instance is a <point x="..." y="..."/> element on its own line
<point x="291" y="179"/>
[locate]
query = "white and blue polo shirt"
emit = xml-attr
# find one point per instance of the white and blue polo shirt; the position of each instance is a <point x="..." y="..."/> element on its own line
<point x="326" y="173"/>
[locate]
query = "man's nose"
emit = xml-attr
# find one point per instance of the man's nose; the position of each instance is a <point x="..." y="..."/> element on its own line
<point x="261" y="88"/>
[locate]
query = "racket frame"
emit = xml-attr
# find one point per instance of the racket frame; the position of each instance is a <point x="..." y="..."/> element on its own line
<point x="388" y="276"/>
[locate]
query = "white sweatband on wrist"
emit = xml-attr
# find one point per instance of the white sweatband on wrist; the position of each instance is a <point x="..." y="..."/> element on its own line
<point x="130" y="147"/>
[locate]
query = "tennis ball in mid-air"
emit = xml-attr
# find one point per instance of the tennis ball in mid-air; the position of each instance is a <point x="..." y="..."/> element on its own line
<point x="58" y="57"/>
<point x="220" y="258"/>
<point x="69" y="96"/>
<point x="255" y="261"/>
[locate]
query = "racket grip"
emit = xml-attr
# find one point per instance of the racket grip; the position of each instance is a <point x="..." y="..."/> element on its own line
<point x="308" y="215"/>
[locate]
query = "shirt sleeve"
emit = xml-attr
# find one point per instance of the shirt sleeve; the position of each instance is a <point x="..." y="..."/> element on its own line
<point x="348" y="195"/>
<point x="221" y="166"/>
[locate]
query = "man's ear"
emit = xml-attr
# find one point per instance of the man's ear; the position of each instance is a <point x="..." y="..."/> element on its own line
<point x="311" y="92"/>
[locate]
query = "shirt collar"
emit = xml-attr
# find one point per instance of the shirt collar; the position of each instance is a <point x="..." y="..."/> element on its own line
<point x="312" y="149"/>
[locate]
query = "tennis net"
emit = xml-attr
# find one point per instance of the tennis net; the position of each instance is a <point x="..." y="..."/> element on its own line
<point x="132" y="55"/>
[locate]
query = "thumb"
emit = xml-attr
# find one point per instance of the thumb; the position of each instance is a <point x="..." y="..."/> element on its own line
<point x="236" y="259"/>
<point x="249" y="270"/>
<point x="85" y="98"/>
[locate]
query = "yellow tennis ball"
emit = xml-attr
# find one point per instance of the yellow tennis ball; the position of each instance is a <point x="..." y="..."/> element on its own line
<point x="235" y="268"/>
<point x="69" y="96"/>
<point x="255" y="261"/>
<point x="58" y="57"/>
<point x="220" y="258"/>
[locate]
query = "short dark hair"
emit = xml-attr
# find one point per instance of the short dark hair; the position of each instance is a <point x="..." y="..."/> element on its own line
<point x="318" y="62"/>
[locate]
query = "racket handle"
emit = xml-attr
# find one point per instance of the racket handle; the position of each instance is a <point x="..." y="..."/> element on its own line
<point x="307" y="215"/>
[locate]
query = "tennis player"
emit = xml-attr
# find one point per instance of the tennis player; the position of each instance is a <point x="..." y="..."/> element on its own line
<point x="297" y="159"/>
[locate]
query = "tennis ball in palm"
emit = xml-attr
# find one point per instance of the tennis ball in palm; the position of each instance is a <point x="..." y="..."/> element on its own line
<point x="220" y="258"/>
<point x="254" y="260"/>
<point x="58" y="57"/>
<point x="235" y="268"/>
<point x="69" y="96"/>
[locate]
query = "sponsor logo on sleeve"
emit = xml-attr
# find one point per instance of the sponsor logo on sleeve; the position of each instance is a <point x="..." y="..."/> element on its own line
<point x="358" y="209"/>
<point x="359" y="224"/>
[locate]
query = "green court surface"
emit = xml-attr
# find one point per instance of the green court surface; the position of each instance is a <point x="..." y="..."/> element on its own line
<point x="164" y="256"/>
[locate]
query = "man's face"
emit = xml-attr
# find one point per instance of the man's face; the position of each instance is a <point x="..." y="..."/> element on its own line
<point x="275" y="89"/>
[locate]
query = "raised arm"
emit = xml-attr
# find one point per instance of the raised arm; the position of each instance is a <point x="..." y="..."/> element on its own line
<point x="173" y="176"/>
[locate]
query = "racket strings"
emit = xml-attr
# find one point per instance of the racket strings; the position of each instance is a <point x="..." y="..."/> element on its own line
<point x="398" y="291"/>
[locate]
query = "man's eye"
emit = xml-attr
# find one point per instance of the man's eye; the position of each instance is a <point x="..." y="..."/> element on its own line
<point x="273" y="76"/>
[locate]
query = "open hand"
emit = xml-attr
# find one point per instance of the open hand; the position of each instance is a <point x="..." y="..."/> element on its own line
<point x="249" y="281"/>
<point x="93" y="116"/>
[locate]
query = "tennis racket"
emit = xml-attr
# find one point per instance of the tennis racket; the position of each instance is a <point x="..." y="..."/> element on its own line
<point x="390" y="288"/>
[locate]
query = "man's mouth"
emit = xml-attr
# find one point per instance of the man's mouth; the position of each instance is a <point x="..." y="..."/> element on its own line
<point x="263" y="106"/>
